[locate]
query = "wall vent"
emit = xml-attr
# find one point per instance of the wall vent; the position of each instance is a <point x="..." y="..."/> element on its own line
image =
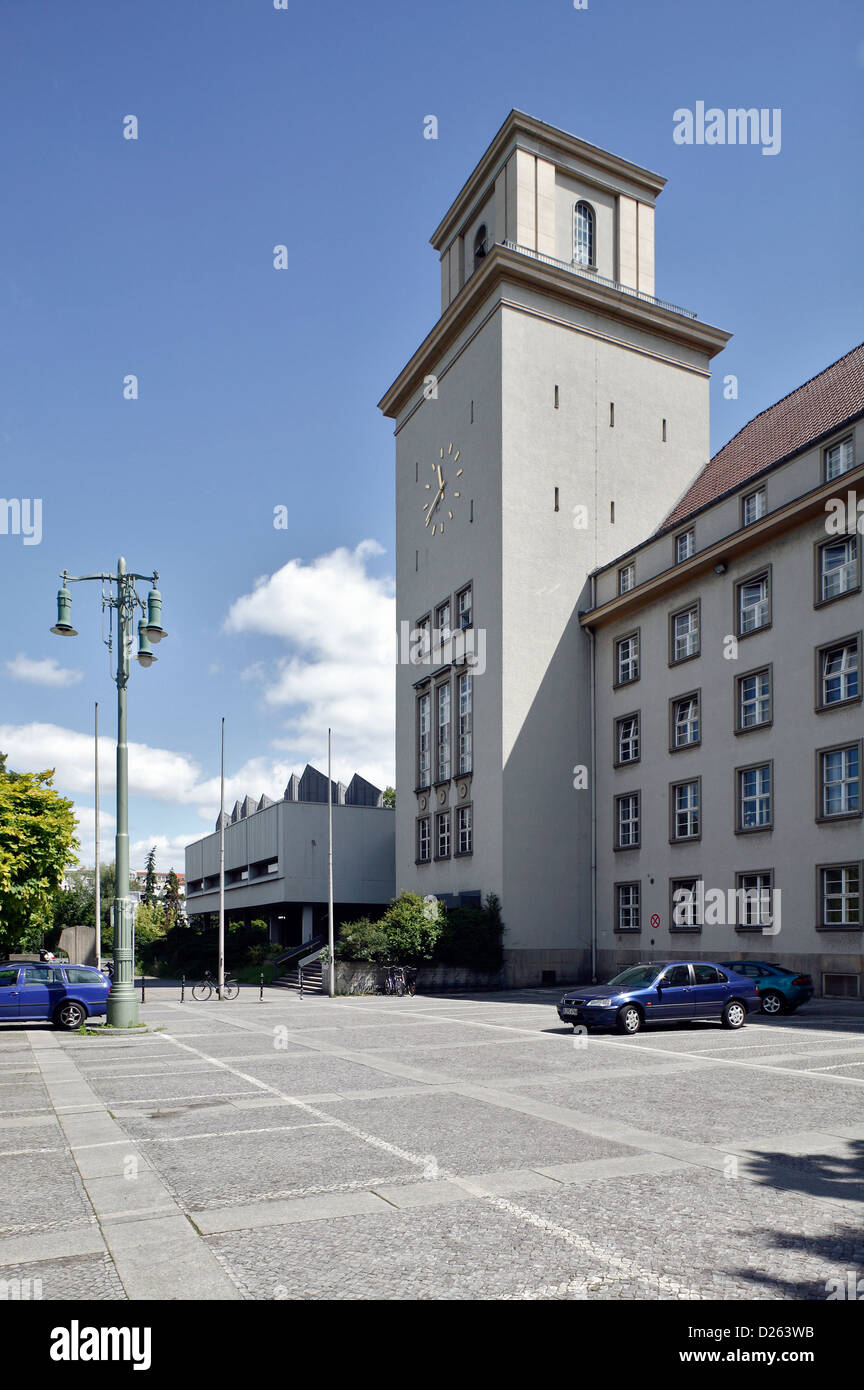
<point x="841" y="986"/>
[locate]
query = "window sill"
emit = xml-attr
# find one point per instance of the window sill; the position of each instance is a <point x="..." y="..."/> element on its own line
<point x="835" y="598"/>
<point x="629" y="762"/>
<point x="838" y="704"/>
<point x="754" y="829"/>
<point x="754" y="728"/>
<point x="754" y="631"/>
<point x="841" y="816"/>
<point x="683" y="747"/>
<point x="625" y="849"/>
<point x="847" y="927"/>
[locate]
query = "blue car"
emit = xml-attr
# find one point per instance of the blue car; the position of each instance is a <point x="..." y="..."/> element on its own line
<point x="662" y="993"/>
<point x="64" y="994"/>
<point x="780" y="990"/>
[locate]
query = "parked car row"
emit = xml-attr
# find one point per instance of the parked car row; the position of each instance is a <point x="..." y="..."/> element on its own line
<point x="669" y="991"/>
<point x="64" y="994"/>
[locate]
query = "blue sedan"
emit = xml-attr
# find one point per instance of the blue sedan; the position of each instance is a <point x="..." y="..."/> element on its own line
<point x="662" y="993"/>
<point x="64" y="994"/>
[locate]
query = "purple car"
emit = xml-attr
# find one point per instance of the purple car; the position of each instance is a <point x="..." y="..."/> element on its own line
<point x="662" y="992"/>
<point x="64" y="994"/>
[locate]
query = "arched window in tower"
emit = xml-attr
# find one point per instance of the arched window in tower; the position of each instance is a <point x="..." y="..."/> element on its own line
<point x="480" y="247"/>
<point x="583" y="234"/>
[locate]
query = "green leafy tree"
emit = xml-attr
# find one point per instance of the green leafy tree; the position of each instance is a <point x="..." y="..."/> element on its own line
<point x="389" y="796"/>
<point x="149" y="895"/>
<point x="172" y="902"/>
<point x="150" y="922"/>
<point x="37" y="842"/>
<point x="407" y="934"/>
<point x="75" y="903"/>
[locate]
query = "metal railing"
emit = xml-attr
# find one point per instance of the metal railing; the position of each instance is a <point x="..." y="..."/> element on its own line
<point x="575" y="269"/>
<point x="297" y="954"/>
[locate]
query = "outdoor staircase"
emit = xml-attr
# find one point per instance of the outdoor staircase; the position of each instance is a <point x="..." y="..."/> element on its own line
<point x="300" y="968"/>
<point x="308" y="977"/>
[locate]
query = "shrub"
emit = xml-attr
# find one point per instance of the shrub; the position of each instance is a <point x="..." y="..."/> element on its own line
<point x="473" y="937"/>
<point x="406" y="934"/>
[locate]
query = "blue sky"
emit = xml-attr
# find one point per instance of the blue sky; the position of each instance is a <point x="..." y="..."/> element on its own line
<point x="258" y="387"/>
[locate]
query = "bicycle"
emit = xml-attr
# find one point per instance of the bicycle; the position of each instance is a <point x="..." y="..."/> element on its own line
<point x="204" y="988"/>
<point x="399" y="981"/>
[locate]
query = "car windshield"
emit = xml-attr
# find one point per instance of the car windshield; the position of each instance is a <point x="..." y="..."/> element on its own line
<point x="635" y="975"/>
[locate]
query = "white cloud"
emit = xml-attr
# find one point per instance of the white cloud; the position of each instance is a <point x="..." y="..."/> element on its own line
<point x="339" y="622"/>
<point x="42" y="671"/>
<point x="170" y="851"/>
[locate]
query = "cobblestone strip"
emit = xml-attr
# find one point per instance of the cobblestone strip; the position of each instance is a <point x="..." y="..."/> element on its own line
<point x="156" y="1251"/>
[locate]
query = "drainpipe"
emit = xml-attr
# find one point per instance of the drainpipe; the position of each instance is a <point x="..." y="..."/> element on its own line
<point x="593" y="785"/>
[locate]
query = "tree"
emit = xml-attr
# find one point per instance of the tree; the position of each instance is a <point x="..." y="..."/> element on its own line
<point x="172" y="902"/>
<point x="37" y="842"/>
<point x="150" y="922"/>
<point x="149" y="894"/>
<point x="75" y="903"/>
<point x="389" y="796"/>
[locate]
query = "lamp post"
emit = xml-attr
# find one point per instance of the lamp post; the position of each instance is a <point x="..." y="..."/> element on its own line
<point x="120" y="598"/>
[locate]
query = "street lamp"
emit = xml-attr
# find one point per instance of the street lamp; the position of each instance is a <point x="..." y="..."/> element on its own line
<point x="120" y="597"/>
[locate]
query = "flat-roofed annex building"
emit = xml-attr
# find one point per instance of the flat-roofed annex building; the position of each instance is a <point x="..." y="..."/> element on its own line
<point x="276" y="858"/>
<point x="728" y="703"/>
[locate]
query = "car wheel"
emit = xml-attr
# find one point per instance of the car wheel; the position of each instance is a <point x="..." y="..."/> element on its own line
<point x="69" y="1015"/>
<point x="629" y="1019"/>
<point x="772" y="1002"/>
<point x="734" y="1014"/>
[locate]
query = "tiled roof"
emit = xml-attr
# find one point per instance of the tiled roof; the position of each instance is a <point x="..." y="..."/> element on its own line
<point x="814" y="409"/>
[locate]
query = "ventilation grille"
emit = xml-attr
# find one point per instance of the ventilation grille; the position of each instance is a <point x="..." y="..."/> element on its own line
<point x="841" y="986"/>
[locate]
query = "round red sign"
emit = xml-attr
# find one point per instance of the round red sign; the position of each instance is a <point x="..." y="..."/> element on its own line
<point x="655" y="920"/>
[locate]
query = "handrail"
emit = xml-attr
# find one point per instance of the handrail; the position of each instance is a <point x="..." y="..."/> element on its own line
<point x="575" y="269"/>
<point x="298" y="953"/>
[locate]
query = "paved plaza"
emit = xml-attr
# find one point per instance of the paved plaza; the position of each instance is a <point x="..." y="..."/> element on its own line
<point x="443" y="1148"/>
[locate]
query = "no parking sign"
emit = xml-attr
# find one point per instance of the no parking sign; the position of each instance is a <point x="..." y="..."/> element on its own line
<point x="655" y="920"/>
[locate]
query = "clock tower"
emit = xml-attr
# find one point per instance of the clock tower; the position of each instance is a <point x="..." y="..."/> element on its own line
<point x="548" y="422"/>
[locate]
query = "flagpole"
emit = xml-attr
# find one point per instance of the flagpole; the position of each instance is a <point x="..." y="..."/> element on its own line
<point x="98" y="886"/>
<point x="331" y="935"/>
<point x="221" y="966"/>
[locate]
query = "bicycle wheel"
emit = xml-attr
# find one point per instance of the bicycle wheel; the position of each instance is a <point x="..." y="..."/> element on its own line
<point x="201" y="991"/>
<point x="230" y="989"/>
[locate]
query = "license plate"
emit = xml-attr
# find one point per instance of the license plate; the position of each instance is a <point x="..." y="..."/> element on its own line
<point x="571" y="1013"/>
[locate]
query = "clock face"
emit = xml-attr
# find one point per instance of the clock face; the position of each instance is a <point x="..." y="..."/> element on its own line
<point x="443" y="490"/>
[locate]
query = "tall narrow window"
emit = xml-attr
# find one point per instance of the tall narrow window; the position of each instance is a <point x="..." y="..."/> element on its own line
<point x="424" y="750"/>
<point x="443" y="697"/>
<point x="480" y="245"/>
<point x="423" y="840"/>
<point x="465" y="830"/>
<point x="556" y="397"/>
<point x="556" y="500"/>
<point x="465" y="722"/>
<point x="583" y="234"/>
<point x="442" y="835"/>
<point x="463" y="605"/>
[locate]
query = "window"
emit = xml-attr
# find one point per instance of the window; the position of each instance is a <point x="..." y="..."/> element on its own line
<point x="840" y="896"/>
<point x="684" y="634"/>
<point x="627" y="739"/>
<point x="423" y="840"/>
<point x="76" y="975"/>
<point x="626" y="578"/>
<point x="686" y="911"/>
<point x="685" y="544"/>
<point x="463" y="607"/>
<point x="753" y="603"/>
<point x="8" y="978"/>
<point x="754" y="893"/>
<point x="684" y="799"/>
<point x="442" y="695"/>
<point x="676" y="977"/>
<point x="627" y="659"/>
<point x="43" y="975"/>
<point x="685" y="731"/>
<point x="753" y="506"/>
<point x="707" y="975"/>
<point x="627" y="821"/>
<point x="442" y="835"/>
<point x="837" y="568"/>
<point x="480" y="244"/>
<point x="753" y="700"/>
<point x="424" y="751"/>
<point x="754" y="797"/>
<point x="839" y="458"/>
<point x="442" y="620"/>
<point x="464" y="830"/>
<point x="838" y="673"/>
<point x="627" y="897"/>
<point x="465" y="722"/>
<point x="839" y="782"/>
<point x="421" y="642"/>
<point x="583" y="234"/>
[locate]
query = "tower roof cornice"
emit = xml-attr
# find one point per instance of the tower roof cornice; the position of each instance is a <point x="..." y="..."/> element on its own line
<point x="521" y="131"/>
